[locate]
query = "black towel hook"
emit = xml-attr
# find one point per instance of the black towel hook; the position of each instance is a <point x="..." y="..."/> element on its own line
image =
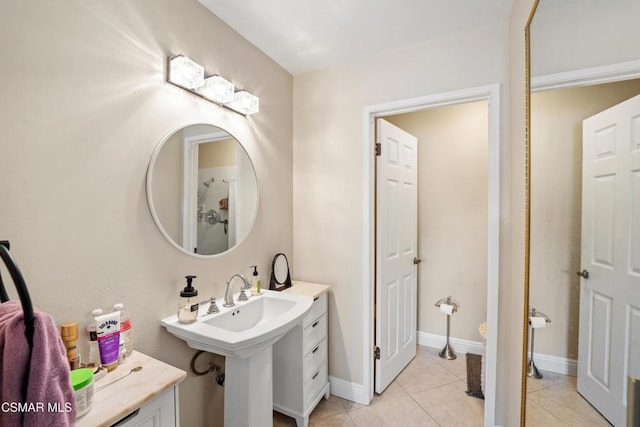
<point x="23" y="293"/>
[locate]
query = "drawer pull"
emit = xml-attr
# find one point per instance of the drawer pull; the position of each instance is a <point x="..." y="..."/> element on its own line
<point x="315" y="349"/>
<point x="315" y="324"/>
<point x="128" y="417"/>
<point x="316" y="298"/>
<point x="315" y="375"/>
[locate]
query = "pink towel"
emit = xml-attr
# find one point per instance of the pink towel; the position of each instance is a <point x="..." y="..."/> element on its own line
<point x="50" y="399"/>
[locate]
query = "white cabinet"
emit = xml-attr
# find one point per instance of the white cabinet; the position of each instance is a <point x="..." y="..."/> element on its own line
<point x="147" y="398"/>
<point x="162" y="411"/>
<point x="300" y="363"/>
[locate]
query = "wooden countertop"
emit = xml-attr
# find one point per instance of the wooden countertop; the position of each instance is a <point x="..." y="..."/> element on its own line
<point x="119" y="399"/>
<point x="306" y="288"/>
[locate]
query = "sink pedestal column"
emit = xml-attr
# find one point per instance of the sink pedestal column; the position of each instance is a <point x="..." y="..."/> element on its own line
<point x="248" y="390"/>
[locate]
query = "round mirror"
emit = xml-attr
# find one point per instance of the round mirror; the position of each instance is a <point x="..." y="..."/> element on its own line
<point x="202" y="190"/>
<point x="280" y="269"/>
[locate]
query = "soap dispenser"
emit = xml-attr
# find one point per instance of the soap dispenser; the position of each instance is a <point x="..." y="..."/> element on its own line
<point x="255" y="281"/>
<point x="188" y="305"/>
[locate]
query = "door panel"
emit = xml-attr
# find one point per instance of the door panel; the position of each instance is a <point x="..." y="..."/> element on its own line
<point x="603" y="220"/>
<point x="609" y="343"/>
<point x="391" y="229"/>
<point x="408" y="330"/>
<point x="392" y="326"/>
<point x="396" y="231"/>
<point x="634" y="226"/>
<point x="600" y="339"/>
<point x="632" y="345"/>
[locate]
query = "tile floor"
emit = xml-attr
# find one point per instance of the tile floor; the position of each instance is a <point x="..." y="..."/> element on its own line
<point x="554" y="401"/>
<point x="430" y="391"/>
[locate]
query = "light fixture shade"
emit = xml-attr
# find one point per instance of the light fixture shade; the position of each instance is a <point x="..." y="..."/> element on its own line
<point x="244" y="103"/>
<point x="189" y="75"/>
<point x="185" y="72"/>
<point x="217" y="89"/>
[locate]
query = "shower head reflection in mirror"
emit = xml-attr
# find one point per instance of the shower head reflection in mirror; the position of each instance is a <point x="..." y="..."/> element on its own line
<point x="194" y="171"/>
<point x="583" y="51"/>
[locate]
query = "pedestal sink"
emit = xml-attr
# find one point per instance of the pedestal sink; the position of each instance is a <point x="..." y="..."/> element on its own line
<point x="245" y="334"/>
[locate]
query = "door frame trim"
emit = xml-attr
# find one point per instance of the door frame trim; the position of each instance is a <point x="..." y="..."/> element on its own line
<point x="491" y="94"/>
<point x="190" y="145"/>
<point x="587" y="76"/>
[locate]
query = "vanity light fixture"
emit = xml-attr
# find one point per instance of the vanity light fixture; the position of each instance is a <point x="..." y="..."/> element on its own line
<point x="217" y="89"/>
<point x="189" y="75"/>
<point x="244" y="103"/>
<point x="185" y="73"/>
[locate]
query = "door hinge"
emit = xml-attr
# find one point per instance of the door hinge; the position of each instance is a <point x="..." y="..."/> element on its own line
<point x="376" y="353"/>
<point x="378" y="149"/>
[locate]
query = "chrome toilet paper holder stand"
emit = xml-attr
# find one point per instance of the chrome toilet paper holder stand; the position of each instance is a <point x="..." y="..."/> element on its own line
<point x="447" y="352"/>
<point x="532" y="370"/>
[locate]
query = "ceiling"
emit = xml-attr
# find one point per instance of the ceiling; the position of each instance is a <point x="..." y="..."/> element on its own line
<point x="305" y="35"/>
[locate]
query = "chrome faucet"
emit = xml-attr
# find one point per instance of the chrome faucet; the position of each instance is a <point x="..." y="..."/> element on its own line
<point x="228" y="294"/>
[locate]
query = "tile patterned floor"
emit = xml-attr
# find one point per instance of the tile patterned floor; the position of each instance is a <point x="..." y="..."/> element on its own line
<point x="430" y="391"/>
<point x="553" y="401"/>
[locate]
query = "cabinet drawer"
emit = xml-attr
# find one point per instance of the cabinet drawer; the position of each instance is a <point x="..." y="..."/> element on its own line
<point x="318" y="308"/>
<point x="313" y="334"/>
<point x="314" y="359"/>
<point x="161" y="411"/>
<point x="315" y="384"/>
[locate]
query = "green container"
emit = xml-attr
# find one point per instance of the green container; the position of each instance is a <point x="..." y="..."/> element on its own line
<point x="82" y="383"/>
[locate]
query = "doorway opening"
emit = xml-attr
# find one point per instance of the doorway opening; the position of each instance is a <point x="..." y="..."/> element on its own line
<point x="490" y="94"/>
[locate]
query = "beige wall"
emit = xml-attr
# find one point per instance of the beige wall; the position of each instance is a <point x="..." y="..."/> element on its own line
<point x="219" y="153"/>
<point x="452" y="214"/>
<point x="84" y="102"/>
<point x="556" y="119"/>
<point x="580" y="34"/>
<point x="167" y="185"/>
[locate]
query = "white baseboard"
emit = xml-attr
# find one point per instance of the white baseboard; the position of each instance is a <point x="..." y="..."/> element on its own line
<point x="558" y="365"/>
<point x="349" y="391"/>
<point x="459" y="345"/>
<point x="357" y="393"/>
<point x="544" y="362"/>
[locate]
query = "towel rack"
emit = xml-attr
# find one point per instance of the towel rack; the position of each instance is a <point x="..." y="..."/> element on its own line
<point x="23" y="293"/>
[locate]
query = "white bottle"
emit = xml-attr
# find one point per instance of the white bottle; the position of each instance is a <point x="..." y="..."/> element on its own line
<point x="126" y="334"/>
<point x="92" y="337"/>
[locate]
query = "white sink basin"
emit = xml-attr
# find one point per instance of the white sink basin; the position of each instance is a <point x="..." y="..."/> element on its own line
<point x="244" y="329"/>
<point x="245" y="334"/>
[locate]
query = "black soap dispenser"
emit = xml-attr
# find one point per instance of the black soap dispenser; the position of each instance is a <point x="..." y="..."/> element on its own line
<point x="255" y="281"/>
<point x="188" y="305"/>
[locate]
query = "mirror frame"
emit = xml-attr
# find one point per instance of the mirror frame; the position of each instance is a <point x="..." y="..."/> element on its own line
<point x="527" y="227"/>
<point x="275" y="284"/>
<point x="152" y="208"/>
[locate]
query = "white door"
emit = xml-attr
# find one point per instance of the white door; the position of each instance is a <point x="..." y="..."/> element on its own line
<point x="396" y="249"/>
<point x="609" y="345"/>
